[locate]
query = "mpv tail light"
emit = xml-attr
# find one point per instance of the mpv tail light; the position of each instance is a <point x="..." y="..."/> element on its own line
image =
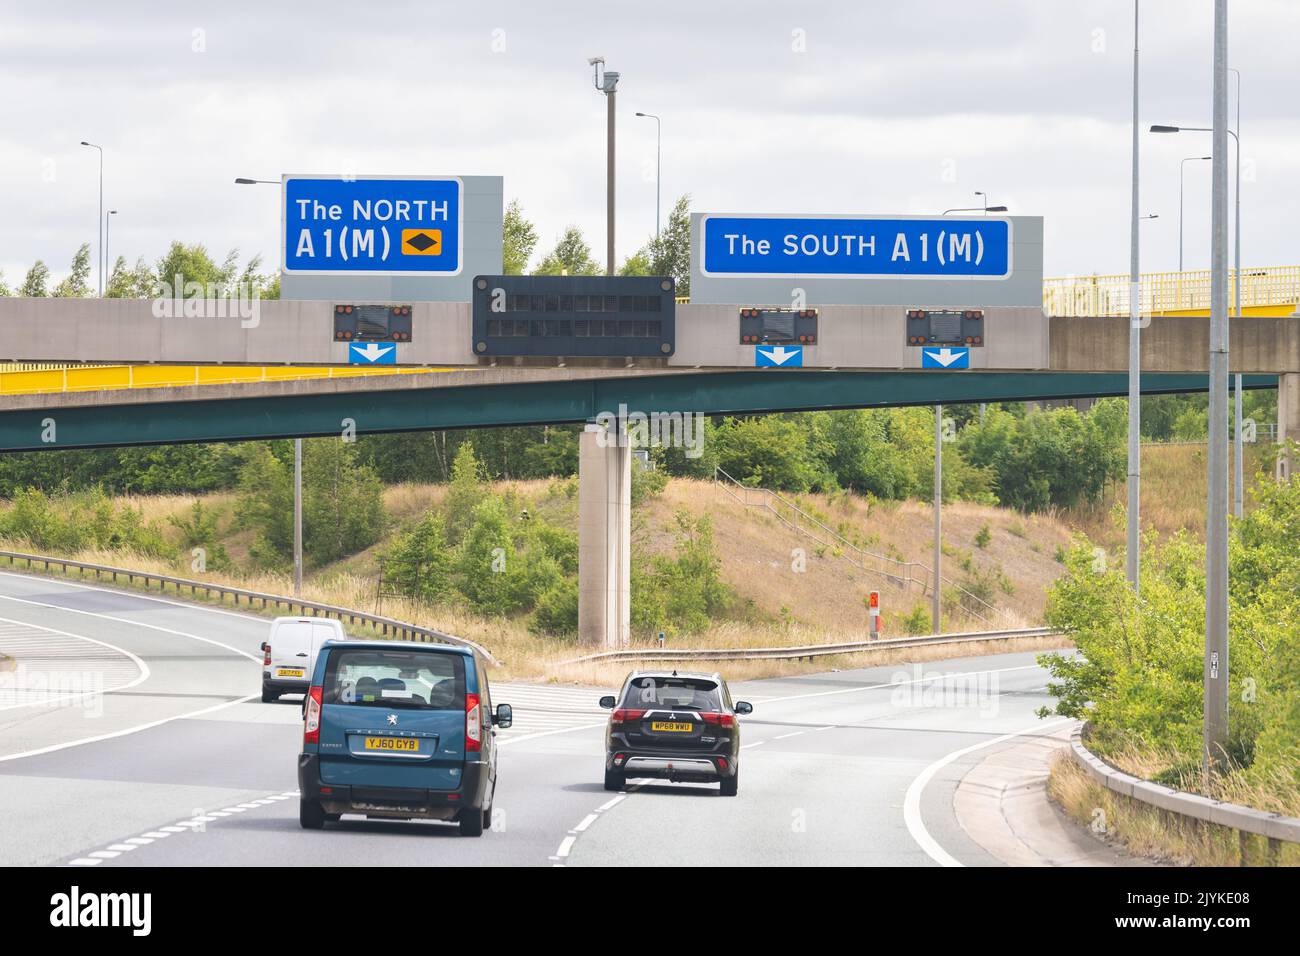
<point x="719" y="720"/>
<point x="266" y="656"/>
<point x="473" y="724"/>
<point x="311" y="722"/>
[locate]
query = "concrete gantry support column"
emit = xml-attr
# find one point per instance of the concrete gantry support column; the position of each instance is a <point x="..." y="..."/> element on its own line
<point x="1288" y="419"/>
<point x="604" y="538"/>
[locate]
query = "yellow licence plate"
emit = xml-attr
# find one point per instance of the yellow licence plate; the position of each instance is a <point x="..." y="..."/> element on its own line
<point x="409" y="744"/>
<point x="671" y="727"/>
<point x="291" y="672"/>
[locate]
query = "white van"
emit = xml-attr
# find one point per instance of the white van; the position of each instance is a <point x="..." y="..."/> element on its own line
<point x="289" y="656"/>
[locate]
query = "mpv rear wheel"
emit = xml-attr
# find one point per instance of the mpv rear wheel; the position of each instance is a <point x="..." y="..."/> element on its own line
<point x="269" y="695"/>
<point x="311" y="815"/>
<point x="471" y="822"/>
<point x="614" y="780"/>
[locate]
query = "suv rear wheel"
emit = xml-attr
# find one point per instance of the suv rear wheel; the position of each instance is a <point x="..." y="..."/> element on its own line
<point x="311" y="815"/>
<point x="614" y="780"/>
<point x="728" y="786"/>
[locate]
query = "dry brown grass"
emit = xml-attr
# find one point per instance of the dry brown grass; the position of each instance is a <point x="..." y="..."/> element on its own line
<point x="1150" y="832"/>
<point x="1173" y="494"/>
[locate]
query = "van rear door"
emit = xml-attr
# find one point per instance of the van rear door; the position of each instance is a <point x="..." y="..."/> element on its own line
<point x="291" y="649"/>
<point x="393" y="718"/>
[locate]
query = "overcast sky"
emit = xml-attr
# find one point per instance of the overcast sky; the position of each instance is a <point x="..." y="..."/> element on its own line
<point x="854" y="107"/>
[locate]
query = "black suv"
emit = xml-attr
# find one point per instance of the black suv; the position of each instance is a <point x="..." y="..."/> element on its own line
<point x="679" y="727"/>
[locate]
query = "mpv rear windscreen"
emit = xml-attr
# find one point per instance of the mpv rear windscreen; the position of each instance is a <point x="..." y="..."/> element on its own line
<point x="379" y="678"/>
<point x="675" y="693"/>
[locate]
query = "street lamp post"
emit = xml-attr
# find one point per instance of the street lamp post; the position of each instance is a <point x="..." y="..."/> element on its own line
<point x="658" y="153"/>
<point x="297" y="455"/>
<point x="107" y="220"/>
<point x="1238" y="498"/>
<point x="983" y="209"/>
<point x="606" y="81"/>
<point x="1181" y="167"/>
<point x="1132" y="558"/>
<point x="99" y="225"/>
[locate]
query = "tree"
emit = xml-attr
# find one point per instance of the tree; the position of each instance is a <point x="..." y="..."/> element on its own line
<point x="519" y="240"/>
<point x="571" y="256"/>
<point x="342" y="501"/>
<point x="77" y="284"/>
<point x="33" y="286"/>
<point x="464" y="494"/>
<point x="4" y="286"/>
<point x="265" y="504"/>
<point x="669" y="253"/>
<point x="420" y="562"/>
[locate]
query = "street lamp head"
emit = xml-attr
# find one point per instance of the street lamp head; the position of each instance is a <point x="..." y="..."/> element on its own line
<point x="245" y="182"/>
<point x="1166" y="129"/>
<point x="996" y="209"/>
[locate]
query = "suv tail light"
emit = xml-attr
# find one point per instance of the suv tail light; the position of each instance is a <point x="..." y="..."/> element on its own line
<point x="473" y="724"/>
<point x="719" y="720"/>
<point x="625" y="716"/>
<point x="311" y="720"/>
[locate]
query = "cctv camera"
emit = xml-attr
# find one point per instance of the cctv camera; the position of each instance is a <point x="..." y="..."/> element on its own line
<point x="592" y="61"/>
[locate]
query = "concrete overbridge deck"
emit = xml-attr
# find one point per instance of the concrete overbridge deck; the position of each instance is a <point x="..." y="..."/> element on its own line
<point x="1028" y="357"/>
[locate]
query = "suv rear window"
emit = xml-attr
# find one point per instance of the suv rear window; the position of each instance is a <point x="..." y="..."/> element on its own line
<point x="421" y="680"/>
<point x="675" y="693"/>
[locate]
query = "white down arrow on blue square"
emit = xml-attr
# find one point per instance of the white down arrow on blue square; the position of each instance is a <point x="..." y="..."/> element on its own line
<point x="785" y="356"/>
<point x="945" y="358"/>
<point x="372" y="353"/>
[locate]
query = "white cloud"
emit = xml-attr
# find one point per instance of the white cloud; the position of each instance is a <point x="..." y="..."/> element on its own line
<point x="1014" y="97"/>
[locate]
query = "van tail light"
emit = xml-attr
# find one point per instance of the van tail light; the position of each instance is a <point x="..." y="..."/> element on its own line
<point x="625" y="716"/>
<point x="473" y="724"/>
<point x="266" y="657"/>
<point x="311" y="722"/>
<point x="719" y="720"/>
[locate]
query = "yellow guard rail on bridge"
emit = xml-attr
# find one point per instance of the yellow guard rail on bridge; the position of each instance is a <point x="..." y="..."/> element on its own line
<point x="33" y="379"/>
<point x="1271" y="290"/>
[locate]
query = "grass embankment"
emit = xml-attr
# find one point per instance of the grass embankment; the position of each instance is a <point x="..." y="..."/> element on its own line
<point x="774" y="605"/>
<point x="1148" y="831"/>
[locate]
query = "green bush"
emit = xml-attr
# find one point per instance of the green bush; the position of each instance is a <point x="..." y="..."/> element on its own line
<point x="68" y="522"/>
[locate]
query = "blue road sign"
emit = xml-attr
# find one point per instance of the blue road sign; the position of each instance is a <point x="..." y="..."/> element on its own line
<point x="785" y="356"/>
<point x="372" y="226"/>
<point x="372" y="353"/>
<point x="945" y="358"/>
<point x="880" y="247"/>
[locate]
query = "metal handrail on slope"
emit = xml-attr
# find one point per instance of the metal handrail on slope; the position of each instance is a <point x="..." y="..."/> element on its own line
<point x="385" y="625"/>
<point x="902" y="579"/>
<point x="808" y="651"/>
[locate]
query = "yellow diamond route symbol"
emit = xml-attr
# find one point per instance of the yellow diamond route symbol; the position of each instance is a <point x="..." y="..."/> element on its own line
<point x="421" y="242"/>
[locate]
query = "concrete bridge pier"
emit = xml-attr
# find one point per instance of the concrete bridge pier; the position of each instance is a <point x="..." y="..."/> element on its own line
<point x="604" y="536"/>
<point x="1288" y="418"/>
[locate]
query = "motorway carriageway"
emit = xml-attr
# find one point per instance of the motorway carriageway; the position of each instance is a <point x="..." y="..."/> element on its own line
<point x="168" y="757"/>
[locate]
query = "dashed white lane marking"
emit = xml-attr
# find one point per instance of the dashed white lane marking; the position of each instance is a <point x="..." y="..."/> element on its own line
<point x="566" y="845"/>
<point x="195" y="824"/>
<point x="788" y="736"/>
<point x="912" y="801"/>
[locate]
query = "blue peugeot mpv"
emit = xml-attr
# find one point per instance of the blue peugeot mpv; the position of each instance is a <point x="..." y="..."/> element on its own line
<point x="397" y="730"/>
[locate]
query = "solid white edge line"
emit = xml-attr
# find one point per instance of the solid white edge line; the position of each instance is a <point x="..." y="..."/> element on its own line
<point x="141" y="666"/>
<point x="912" y="801"/>
<point x="951" y="675"/>
<point x="55" y="579"/>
